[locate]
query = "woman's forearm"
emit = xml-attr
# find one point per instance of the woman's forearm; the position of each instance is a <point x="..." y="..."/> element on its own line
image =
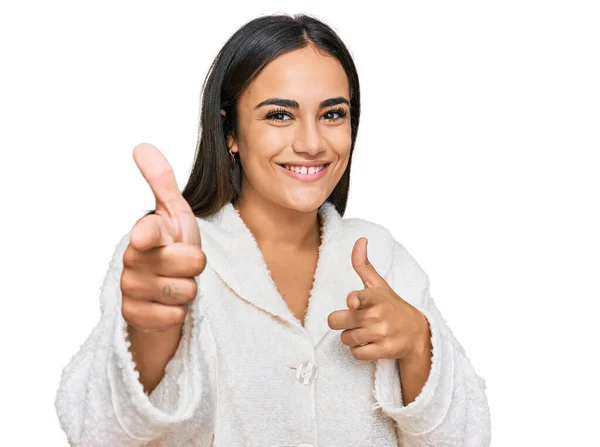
<point x="151" y="352"/>
<point x="414" y="370"/>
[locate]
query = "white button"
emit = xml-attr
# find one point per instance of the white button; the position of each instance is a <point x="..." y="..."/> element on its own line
<point x="306" y="373"/>
<point x="305" y="444"/>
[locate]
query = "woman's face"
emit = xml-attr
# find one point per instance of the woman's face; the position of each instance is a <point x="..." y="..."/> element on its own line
<point x="294" y="133"/>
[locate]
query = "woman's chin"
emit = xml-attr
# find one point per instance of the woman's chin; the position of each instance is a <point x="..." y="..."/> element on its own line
<point x="305" y="204"/>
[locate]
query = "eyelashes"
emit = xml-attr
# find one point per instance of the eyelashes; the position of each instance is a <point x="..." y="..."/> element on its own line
<point x="340" y="111"/>
<point x="274" y="113"/>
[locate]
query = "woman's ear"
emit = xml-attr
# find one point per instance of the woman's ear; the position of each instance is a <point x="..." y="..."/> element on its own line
<point x="231" y="143"/>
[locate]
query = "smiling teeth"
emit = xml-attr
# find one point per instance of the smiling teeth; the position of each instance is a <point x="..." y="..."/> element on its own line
<point x="304" y="170"/>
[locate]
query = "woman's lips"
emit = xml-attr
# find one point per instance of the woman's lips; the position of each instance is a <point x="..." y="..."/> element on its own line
<point x="307" y="178"/>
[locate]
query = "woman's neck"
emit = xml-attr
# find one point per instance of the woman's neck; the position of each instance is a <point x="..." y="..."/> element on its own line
<point x="276" y="227"/>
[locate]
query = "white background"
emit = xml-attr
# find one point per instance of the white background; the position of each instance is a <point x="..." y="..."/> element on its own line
<point x="477" y="148"/>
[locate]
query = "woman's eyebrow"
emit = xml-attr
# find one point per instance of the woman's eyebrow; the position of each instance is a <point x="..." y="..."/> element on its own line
<point x="290" y="103"/>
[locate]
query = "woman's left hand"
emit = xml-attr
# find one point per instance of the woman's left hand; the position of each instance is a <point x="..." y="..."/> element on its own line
<point x="378" y="323"/>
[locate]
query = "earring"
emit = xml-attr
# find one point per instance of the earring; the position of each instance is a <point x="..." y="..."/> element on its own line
<point x="231" y="157"/>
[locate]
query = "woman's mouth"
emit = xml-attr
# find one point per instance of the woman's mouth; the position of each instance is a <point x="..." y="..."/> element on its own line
<point x="305" y="173"/>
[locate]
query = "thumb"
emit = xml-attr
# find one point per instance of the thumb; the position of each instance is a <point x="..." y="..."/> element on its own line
<point x="170" y="203"/>
<point x="363" y="267"/>
<point x="160" y="177"/>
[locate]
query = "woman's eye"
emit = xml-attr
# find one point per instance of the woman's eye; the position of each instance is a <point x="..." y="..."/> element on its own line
<point x="278" y="116"/>
<point x="331" y="115"/>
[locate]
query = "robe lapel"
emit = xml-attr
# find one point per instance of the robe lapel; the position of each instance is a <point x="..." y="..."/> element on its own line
<point x="233" y="253"/>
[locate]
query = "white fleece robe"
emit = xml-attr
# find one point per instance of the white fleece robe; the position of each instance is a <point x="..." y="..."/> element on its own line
<point x="232" y="381"/>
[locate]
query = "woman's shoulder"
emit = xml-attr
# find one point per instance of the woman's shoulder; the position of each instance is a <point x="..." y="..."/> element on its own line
<point x="382" y="240"/>
<point x="381" y="243"/>
<point x="358" y="224"/>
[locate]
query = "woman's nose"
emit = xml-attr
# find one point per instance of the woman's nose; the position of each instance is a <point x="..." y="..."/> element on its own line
<point x="308" y="138"/>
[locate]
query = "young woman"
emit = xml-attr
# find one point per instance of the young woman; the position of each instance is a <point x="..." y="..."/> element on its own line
<point x="245" y="311"/>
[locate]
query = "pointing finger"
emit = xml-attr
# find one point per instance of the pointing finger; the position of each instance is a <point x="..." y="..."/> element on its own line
<point x="356" y="300"/>
<point x="150" y="232"/>
<point x="342" y="319"/>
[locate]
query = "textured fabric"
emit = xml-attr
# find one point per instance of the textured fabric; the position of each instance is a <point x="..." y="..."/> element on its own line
<point x="232" y="381"/>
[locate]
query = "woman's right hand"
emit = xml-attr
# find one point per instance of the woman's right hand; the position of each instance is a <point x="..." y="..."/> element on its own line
<point x="164" y="253"/>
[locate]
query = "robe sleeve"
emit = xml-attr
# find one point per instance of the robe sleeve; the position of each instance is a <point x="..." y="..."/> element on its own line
<point x="100" y="400"/>
<point x="452" y="408"/>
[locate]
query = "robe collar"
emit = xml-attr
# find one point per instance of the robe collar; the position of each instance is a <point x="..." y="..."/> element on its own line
<point x="233" y="253"/>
